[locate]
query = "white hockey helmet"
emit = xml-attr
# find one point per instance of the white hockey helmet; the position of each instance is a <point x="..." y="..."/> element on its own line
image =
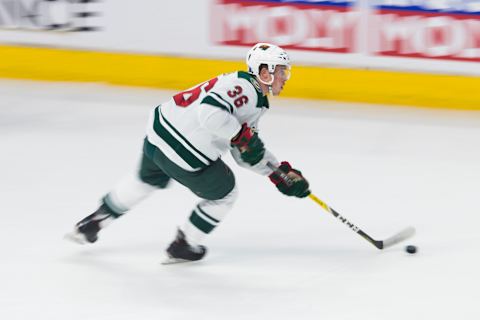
<point x="268" y="54"/>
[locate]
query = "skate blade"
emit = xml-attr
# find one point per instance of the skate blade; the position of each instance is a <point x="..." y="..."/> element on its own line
<point x="170" y="260"/>
<point x="75" y="237"/>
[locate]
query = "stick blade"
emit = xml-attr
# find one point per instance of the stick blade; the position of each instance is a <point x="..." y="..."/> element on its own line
<point x="399" y="237"/>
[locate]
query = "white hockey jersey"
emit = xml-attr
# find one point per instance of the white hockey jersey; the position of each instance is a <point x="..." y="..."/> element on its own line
<point x="194" y="128"/>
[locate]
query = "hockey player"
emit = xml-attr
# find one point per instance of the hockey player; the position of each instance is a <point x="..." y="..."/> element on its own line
<point x="186" y="137"/>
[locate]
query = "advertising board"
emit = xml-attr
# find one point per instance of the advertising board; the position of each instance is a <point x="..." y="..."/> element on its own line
<point x="439" y="36"/>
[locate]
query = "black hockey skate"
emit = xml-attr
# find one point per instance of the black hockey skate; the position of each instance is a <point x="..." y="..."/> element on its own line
<point x="181" y="251"/>
<point x="86" y="230"/>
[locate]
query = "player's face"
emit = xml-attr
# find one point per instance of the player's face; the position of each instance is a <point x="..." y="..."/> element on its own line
<point x="282" y="74"/>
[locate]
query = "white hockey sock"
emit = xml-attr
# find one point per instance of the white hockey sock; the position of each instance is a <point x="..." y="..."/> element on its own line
<point x="127" y="193"/>
<point x="206" y="216"/>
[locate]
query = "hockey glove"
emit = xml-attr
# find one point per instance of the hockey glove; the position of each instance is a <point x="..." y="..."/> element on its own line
<point x="298" y="186"/>
<point x="251" y="147"/>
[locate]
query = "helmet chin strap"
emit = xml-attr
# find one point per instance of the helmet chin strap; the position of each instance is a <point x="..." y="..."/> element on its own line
<point x="268" y="84"/>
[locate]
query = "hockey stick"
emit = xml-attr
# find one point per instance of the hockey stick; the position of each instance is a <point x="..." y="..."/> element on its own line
<point x="379" y="244"/>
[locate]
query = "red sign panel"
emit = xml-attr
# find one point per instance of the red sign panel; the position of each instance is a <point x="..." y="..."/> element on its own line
<point x="320" y="27"/>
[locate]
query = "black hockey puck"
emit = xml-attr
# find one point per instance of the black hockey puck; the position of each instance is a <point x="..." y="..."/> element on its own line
<point x="411" y="249"/>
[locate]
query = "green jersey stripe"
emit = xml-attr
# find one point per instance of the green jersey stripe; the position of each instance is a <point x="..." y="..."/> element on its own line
<point x="183" y="152"/>
<point x="211" y="101"/>
<point x="214" y="94"/>
<point x="207" y="159"/>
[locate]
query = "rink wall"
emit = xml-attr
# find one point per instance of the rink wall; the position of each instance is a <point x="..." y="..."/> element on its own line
<point x="370" y="86"/>
<point x="420" y="53"/>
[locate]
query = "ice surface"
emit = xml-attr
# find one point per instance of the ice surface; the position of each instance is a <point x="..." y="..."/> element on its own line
<point x="62" y="146"/>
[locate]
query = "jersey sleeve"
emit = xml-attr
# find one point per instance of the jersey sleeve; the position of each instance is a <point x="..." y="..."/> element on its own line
<point x="218" y="122"/>
<point x="261" y="167"/>
<point x="250" y="109"/>
<point x="216" y="115"/>
<point x="222" y="108"/>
